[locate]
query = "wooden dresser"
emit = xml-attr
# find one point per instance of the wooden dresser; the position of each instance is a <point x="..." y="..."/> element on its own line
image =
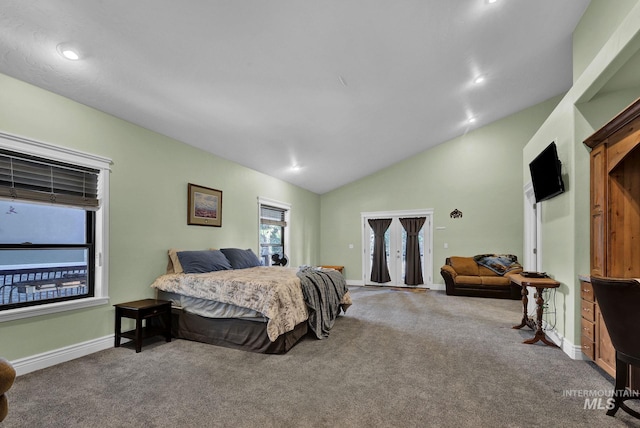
<point x="595" y="343"/>
<point x="588" y="321"/>
<point x="615" y="224"/>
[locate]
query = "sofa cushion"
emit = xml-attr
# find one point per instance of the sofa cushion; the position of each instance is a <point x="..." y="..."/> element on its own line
<point x="483" y="271"/>
<point x="465" y="266"/>
<point x="495" y="280"/>
<point x="477" y="287"/>
<point x="467" y="279"/>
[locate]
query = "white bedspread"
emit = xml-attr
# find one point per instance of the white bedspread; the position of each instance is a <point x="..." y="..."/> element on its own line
<point x="273" y="291"/>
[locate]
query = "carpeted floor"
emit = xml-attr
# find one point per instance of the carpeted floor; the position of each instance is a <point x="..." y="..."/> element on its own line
<point x="394" y="360"/>
<point x="409" y="289"/>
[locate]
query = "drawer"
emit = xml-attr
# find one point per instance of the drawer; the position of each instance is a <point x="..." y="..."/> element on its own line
<point x="586" y="291"/>
<point x="154" y="311"/>
<point x="588" y="347"/>
<point x="588" y="310"/>
<point x="588" y="329"/>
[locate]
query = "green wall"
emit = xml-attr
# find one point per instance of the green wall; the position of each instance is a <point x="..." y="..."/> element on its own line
<point x="607" y="84"/>
<point x="148" y="202"/>
<point x="596" y="26"/>
<point x="478" y="173"/>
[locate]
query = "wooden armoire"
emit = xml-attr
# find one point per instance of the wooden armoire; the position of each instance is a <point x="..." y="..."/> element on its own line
<point x="615" y="223"/>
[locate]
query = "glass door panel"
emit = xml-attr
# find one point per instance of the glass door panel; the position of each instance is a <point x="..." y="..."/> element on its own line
<point x="396" y="252"/>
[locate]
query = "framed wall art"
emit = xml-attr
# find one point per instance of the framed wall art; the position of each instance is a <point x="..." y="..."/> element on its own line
<point x="204" y="206"/>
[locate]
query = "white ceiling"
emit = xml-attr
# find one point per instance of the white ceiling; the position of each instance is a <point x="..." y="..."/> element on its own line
<point x="340" y="88"/>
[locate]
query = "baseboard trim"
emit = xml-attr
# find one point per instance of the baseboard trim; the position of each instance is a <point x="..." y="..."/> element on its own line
<point x="573" y="351"/>
<point x="360" y="283"/>
<point x="61" y="355"/>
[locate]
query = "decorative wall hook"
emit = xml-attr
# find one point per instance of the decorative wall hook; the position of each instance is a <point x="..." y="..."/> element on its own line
<point x="456" y="214"/>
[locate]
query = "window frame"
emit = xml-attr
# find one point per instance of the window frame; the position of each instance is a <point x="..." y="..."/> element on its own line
<point x="287" y="218"/>
<point x="100" y="264"/>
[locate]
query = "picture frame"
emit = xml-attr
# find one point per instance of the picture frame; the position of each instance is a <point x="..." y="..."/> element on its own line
<point x="204" y="206"/>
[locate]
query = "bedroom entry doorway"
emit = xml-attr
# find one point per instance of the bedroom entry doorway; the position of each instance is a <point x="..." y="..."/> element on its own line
<point x="406" y="240"/>
<point x="532" y="258"/>
<point x="532" y="231"/>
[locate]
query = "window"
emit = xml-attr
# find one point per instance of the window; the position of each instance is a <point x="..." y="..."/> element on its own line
<point x="53" y="205"/>
<point x="274" y="236"/>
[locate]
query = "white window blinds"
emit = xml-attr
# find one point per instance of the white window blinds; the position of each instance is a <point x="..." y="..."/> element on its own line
<point x="272" y="215"/>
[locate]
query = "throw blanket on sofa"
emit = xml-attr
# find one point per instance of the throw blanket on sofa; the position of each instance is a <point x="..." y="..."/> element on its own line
<point x="498" y="263"/>
<point x="323" y="290"/>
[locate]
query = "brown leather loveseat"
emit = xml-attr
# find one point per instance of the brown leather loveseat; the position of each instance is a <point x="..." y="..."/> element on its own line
<point x="464" y="276"/>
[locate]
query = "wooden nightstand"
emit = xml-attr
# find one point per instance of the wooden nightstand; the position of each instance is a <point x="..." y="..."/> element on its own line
<point x="143" y="310"/>
<point x="338" y="268"/>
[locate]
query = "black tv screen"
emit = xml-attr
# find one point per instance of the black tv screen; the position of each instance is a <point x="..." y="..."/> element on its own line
<point x="546" y="175"/>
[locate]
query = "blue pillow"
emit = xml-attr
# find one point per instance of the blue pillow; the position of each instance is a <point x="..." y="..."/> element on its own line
<point x="241" y="259"/>
<point x="203" y="261"/>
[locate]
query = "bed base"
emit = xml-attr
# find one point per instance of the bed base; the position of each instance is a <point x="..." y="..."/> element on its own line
<point x="233" y="333"/>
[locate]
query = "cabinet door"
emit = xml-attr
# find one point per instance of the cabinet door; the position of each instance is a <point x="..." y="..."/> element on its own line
<point x="598" y="210"/>
<point x="605" y="352"/>
<point x="623" y="218"/>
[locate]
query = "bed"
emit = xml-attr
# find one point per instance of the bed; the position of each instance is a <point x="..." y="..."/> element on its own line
<point x="225" y="297"/>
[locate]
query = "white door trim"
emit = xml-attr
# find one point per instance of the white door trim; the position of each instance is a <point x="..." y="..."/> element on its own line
<point x="532" y="259"/>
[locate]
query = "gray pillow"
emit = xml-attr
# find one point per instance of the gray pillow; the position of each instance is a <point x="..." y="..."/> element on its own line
<point x="203" y="261"/>
<point x="241" y="259"/>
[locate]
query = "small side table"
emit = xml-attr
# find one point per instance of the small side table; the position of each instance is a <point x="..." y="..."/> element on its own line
<point x="338" y="268"/>
<point x="539" y="284"/>
<point x="143" y="310"/>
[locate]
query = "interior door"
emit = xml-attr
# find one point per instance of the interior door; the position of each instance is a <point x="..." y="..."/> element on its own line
<point x="395" y="245"/>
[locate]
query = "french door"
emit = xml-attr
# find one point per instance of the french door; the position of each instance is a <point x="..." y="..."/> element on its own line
<point x="395" y="246"/>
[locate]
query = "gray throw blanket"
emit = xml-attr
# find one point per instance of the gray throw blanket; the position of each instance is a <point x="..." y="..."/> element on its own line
<point x="499" y="263"/>
<point x="322" y="290"/>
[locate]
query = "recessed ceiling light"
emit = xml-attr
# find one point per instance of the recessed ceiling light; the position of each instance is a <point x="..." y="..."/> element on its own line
<point x="478" y="79"/>
<point x="491" y="1"/>
<point x="67" y="51"/>
<point x="471" y="119"/>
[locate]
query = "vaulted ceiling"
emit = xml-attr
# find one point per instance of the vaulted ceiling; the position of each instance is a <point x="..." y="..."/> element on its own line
<point x="316" y="93"/>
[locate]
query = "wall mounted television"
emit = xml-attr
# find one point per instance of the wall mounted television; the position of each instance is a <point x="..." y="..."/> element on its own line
<point x="546" y="174"/>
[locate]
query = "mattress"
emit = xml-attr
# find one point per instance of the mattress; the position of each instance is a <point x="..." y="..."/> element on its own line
<point x="210" y="308"/>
